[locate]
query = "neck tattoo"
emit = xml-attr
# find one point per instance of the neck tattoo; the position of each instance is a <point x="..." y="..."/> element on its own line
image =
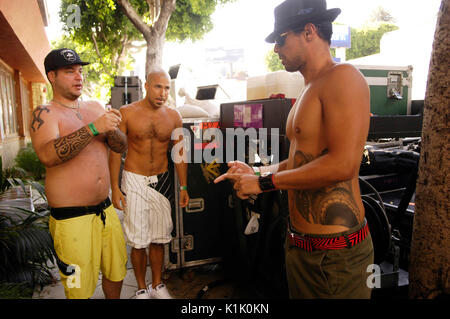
<point x="77" y="108"/>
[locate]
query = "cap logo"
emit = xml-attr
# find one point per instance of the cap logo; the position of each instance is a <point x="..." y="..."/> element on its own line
<point x="305" y="11"/>
<point x="69" y="55"/>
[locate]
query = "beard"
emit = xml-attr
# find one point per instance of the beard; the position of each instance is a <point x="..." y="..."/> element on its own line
<point x="71" y="96"/>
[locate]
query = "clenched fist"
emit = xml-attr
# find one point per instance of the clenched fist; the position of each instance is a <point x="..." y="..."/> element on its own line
<point x="109" y="121"/>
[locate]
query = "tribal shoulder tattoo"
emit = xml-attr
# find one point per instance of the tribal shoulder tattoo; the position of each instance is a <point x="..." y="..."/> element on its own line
<point x="332" y="205"/>
<point x="67" y="147"/>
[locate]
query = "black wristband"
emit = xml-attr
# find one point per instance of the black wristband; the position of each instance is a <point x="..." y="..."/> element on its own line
<point x="266" y="183"/>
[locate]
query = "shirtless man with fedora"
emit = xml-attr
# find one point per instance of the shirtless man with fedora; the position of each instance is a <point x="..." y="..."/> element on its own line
<point x="328" y="245"/>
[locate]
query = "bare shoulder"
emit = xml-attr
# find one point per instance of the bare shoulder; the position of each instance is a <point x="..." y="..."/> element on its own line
<point x="42" y="115"/>
<point x="131" y="110"/>
<point x="346" y="71"/>
<point x="94" y="106"/>
<point x="175" y="115"/>
<point x="343" y="79"/>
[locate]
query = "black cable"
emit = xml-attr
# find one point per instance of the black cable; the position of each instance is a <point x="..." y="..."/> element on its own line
<point x="374" y="191"/>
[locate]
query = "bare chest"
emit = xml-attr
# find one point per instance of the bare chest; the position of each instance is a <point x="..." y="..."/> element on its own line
<point x="71" y="120"/>
<point x="151" y="128"/>
<point x="305" y="118"/>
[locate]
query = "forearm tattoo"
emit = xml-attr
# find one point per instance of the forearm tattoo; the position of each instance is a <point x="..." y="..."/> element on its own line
<point x="67" y="147"/>
<point x="332" y="205"/>
<point x="117" y="141"/>
<point x="37" y="122"/>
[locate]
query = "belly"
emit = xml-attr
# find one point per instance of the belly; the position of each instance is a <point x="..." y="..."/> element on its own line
<point x="147" y="159"/>
<point x="84" y="180"/>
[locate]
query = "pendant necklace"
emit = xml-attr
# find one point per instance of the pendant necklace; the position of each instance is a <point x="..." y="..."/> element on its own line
<point x="77" y="108"/>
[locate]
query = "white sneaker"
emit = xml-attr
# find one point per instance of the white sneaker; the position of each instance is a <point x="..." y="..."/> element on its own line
<point x="142" y="294"/>
<point x="159" y="292"/>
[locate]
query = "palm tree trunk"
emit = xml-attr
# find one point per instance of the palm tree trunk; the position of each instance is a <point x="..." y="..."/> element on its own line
<point x="429" y="270"/>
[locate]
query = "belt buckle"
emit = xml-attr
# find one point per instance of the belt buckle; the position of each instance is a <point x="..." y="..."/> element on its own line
<point x="152" y="181"/>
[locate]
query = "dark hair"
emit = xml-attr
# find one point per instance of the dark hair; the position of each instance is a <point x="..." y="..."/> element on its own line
<point x="56" y="73"/>
<point x="324" y="30"/>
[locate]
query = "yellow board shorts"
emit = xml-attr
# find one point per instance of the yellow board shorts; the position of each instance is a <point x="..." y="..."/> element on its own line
<point x="84" y="245"/>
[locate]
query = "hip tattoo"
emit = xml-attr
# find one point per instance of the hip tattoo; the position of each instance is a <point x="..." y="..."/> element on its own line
<point x="332" y="205"/>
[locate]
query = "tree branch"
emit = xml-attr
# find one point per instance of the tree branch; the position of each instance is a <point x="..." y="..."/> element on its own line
<point x="135" y="18"/>
<point x="94" y="40"/>
<point x="167" y="7"/>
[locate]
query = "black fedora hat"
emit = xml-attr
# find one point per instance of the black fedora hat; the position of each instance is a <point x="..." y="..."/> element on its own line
<point x="62" y="57"/>
<point x="293" y="13"/>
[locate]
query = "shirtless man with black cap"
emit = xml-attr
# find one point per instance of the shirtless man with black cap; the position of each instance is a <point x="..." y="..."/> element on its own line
<point x="71" y="138"/>
<point x="328" y="247"/>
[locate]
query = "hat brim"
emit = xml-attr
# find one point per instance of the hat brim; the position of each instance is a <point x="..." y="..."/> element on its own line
<point x="329" y="16"/>
<point x="53" y="68"/>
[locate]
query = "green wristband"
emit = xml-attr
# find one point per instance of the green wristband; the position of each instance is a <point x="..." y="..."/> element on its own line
<point x="93" y="129"/>
<point x="183" y="188"/>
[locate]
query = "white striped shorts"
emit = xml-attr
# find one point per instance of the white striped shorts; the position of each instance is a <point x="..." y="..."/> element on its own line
<point x="147" y="216"/>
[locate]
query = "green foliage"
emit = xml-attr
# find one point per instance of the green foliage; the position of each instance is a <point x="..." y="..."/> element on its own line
<point x="103" y="38"/>
<point x="191" y="19"/>
<point x="9" y="174"/>
<point x="29" y="163"/>
<point x="11" y="290"/>
<point x="26" y="246"/>
<point x="366" y="41"/>
<point x="273" y="62"/>
<point x="106" y="37"/>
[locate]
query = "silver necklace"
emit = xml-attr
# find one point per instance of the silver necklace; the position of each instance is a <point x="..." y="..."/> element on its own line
<point x="77" y="108"/>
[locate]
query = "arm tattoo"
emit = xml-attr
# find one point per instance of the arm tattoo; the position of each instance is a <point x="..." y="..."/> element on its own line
<point x="332" y="205"/>
<point x="67" y="147"/>
<point x="117" y="141"/>
<point x="37" y="121"/>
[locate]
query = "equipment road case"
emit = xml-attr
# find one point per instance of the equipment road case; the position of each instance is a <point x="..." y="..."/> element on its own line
<point x="198" y="228"/>
<point x="390" y="88"/>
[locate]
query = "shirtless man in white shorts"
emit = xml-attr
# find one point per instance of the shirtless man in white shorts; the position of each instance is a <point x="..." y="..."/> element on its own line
<point x="145" y="196"/>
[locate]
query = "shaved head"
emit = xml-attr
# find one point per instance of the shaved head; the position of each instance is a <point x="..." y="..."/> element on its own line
<point x="157" y="86"/>
<point x="156" y="71"/>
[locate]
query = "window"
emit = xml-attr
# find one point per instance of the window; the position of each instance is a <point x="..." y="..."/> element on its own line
<point x="8" y="116"/>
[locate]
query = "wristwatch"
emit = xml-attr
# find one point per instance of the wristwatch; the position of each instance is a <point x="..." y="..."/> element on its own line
<point x="266" y="182"/>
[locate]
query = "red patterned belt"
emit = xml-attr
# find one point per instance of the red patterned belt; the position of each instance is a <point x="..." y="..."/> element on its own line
<point x="309" y="243"/>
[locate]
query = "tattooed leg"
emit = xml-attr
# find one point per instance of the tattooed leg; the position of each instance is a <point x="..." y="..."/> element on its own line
<point x="67" y="147"/>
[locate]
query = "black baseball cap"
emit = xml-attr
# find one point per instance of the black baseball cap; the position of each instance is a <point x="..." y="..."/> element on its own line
<point x="62" y="57"/>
